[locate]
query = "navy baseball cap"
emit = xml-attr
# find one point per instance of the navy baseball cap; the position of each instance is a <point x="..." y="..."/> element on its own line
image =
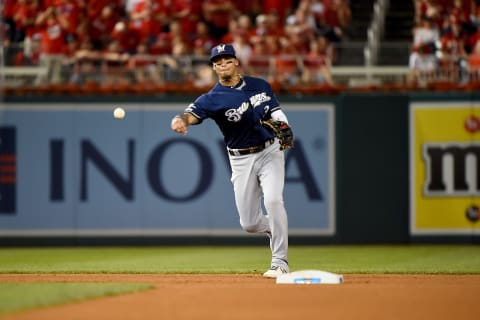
<point x="222" y="50"/>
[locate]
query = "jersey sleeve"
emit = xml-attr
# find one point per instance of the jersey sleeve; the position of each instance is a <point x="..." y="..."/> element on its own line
<point x="274" y="104"/>
<point x="199" y="108"/>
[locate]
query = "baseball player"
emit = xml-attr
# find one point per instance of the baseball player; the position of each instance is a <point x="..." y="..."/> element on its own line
<point x="239" y="105"/>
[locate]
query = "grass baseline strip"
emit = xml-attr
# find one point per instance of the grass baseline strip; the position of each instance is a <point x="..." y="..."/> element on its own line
<point x="415" y="259"/>
<point x="16" y="297"/>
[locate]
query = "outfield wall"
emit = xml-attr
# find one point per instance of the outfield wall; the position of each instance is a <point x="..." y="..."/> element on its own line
<point x="69" y="170"/>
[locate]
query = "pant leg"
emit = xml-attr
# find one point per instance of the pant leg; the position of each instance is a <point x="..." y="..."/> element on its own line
<point x="248" y="194"/>
<point x="272" y="180"/>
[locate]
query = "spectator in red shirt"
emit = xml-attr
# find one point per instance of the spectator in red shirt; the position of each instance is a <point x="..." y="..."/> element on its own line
<point x="70" y="10"/>
<point x="217" y="14"/>
<point x="453" y="42"/>
<point x="273" y="44"/>
<point x="245" y="27"/>
<point x="95" y="7"/>
<point x="162" y="44"/>
<point x="287" y="64"/>
<point x="335" y="19"/>
<point x="203" y="40"/>
<point x="316" y="63"/>
<point x="248" y="7"/>
<point x="279" y="8"/>
<point x="188" y="13"/>
<point x="241" y="26"/>
<point x="232" y="31"/>
<point x="462" y="10"/>
<point x="300" y="27"/>
<point x="473" y="40"/>
<point x="101" y="27"/>
<point x="199" y="52"/>
<point x="82" y="4"/>
<point x="165" y="41"/>
<point x="326" y="48"/>
<point x="149" y="17"/>
<point x="474" y="64"/>
<point x="452" y="55"/>
<point x="265" y="26"/>
<point x="127" y="36"/>
<point x="176" y="32"/>
<point x="260" y="62"/>
<point x="25" y="13"/>
<point x="53" y="28"/>
<point x="460" y="14"/>
<point x="433" y="9"/>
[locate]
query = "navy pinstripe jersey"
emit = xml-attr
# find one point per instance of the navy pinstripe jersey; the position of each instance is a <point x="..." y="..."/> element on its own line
<point x="238" y="111"/>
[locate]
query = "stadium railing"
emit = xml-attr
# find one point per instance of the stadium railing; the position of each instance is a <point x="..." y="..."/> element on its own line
<point x="170" y="74"/>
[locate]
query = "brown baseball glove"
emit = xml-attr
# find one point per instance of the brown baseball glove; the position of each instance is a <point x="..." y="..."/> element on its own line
<point x="282" y="131"/>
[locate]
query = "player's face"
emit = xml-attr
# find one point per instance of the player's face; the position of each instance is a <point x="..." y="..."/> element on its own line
<point x="225" y="67"/>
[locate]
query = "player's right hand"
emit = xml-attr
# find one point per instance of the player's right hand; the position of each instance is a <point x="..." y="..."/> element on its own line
<point x="178" y="125"/>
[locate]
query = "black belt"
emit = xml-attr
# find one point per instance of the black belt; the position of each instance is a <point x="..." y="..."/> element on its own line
<point x="250" y="150"/>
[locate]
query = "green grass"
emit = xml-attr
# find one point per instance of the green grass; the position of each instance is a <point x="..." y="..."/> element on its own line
<point x="431" y="259"/>
<point x="415" y="259"/>
<point x="22" y="296"/>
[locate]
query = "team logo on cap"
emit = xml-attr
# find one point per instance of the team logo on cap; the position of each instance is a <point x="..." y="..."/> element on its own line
<point x="220" y="48"/>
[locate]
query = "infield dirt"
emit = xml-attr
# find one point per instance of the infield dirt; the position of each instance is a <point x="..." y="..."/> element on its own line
<point x="253" y="297"/>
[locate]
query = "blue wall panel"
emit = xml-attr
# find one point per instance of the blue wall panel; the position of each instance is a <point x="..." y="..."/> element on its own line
<point x="81" y="172"/>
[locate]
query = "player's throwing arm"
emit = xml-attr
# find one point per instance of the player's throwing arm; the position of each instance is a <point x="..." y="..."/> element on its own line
<point x="182" y="121"/>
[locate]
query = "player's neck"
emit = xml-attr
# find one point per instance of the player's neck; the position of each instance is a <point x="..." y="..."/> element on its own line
<point x="231" y="82"/>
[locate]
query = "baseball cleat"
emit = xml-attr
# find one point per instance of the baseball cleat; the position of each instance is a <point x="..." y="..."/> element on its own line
<point x="274" y="271"/>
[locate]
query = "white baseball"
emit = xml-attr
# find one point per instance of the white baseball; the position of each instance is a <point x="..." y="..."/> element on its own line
<point x="119" y="113"/>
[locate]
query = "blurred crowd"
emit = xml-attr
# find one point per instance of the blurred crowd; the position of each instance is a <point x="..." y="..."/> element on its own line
<point x="446" y="41"/>
<point x="144" y="41"/>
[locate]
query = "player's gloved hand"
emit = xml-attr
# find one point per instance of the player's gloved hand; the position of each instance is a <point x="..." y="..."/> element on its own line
<point x="282" y="131"/>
